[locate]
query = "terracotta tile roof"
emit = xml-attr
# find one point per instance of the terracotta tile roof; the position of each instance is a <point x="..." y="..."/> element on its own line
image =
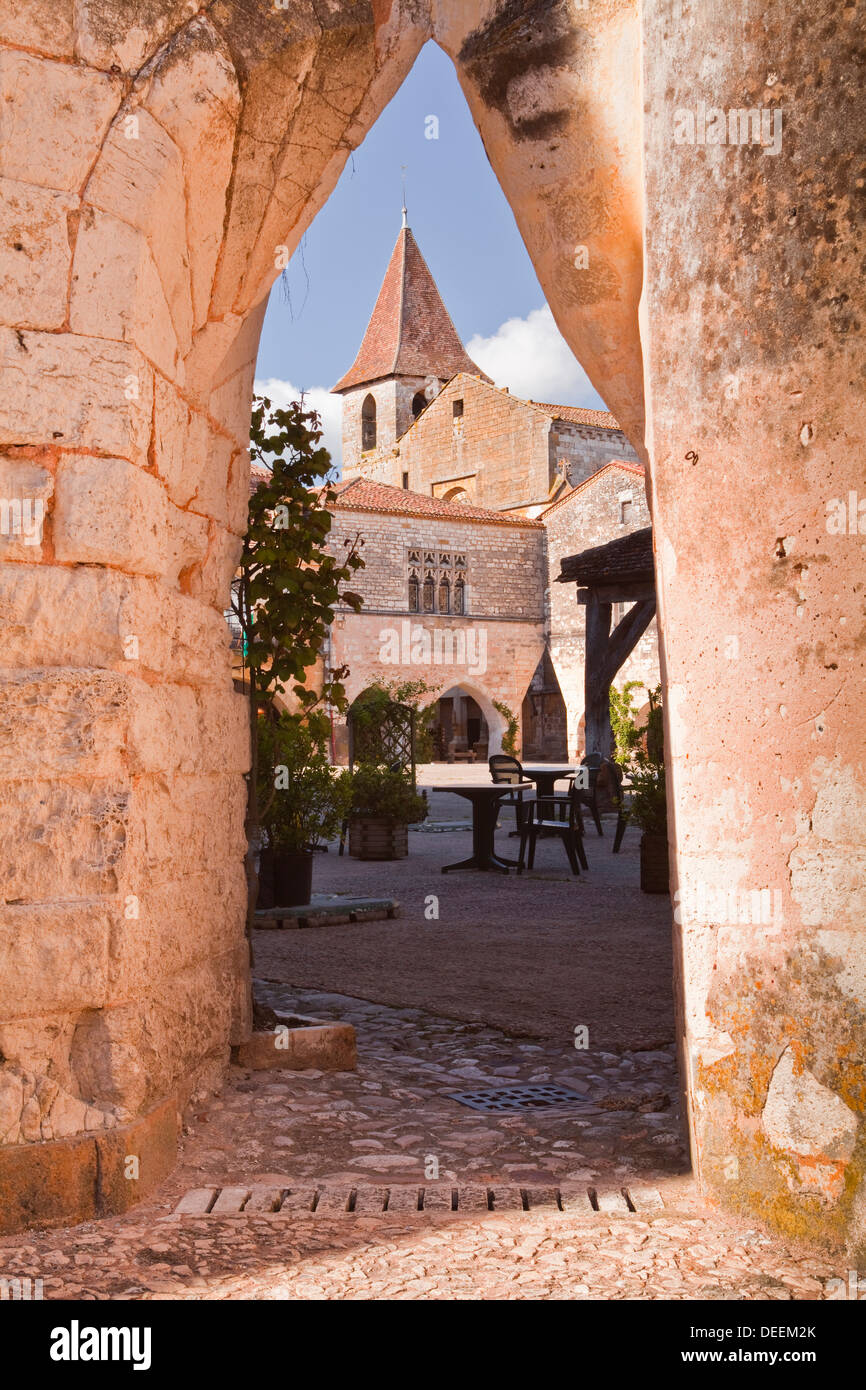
<point x="359" y="494"/>
<point x="627" y="557"/>
<point x="410" y="332"/>
<point x="625" y="465"/>
<point x="578" y="415"/>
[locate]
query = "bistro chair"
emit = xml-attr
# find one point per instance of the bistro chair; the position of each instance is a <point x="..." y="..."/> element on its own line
<point x="504" y="768"/>
<point x="588" y="796"/>
<point x="622" y="799"/>
<point x="542" y="819"/>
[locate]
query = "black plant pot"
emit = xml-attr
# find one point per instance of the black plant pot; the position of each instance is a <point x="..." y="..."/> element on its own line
<point x="285" y="878"/>
<point x="654" y="870"/>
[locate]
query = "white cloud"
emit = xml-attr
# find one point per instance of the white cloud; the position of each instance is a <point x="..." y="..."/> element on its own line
<point x="531" y="357"/>
<point x="329" y="406"/>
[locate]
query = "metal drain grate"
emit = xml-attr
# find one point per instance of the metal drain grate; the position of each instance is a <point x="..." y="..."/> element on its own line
<point x="402" y="1199"/>
<point x="524" y="1097"/>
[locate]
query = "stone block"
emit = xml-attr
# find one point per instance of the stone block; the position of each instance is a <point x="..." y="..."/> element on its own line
<point x="151" y="1140"/>
<point x="109" y="512"/>
<point x="50" y="1184"/>
<point x="29" y="24"/>
<point x="803" y="1116"/>
<point x="60" y="841"/>
<point x="55" y="116"/>
<point x="312" y="1045"/>
<point x="122" y="33"/>
<point x="212" y="583"/>
<point x="132" y="624"/>
<point x="179" y="925"/>
<point x="163" y="1036"/>
<point x="73" y="722"/>
<point x="53" y="956"/>
<point x="68" y="1181"/>
<point x="182" y="826"/>
<point x="140" y="182"/>
<point x="34" y="255"/>
<point x="192" y="459"/>
<point x="63" y="389"/>
<point x="116" y="290"/>
<point x="198" y="69"/>
<point x="25" y="493"/>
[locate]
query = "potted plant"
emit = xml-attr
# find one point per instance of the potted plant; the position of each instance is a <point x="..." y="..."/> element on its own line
<point x="303" y="801"/>
<point x="383" y="805"/>
<point x="648" y="801"/>
<point x="284" y="598"/>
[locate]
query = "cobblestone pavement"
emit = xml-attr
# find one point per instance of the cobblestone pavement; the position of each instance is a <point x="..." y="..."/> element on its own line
<point x="384" y="1122"/>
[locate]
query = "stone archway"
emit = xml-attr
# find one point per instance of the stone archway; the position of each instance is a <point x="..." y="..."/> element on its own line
<point x="492" y="722"/>
<point x="177" y="162"/>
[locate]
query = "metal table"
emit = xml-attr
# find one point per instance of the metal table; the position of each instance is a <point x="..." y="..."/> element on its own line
<point x="485" y="797"/>
<point x="545" y="775"/>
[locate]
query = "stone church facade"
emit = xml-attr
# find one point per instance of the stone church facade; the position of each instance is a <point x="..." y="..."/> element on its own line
<point x="466" y="498"/>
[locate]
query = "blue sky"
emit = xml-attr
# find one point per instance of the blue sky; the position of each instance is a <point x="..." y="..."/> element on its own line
<point x="319" y="309"/>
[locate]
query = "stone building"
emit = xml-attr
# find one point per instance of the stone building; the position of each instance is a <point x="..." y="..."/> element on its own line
<point x="458" y="450"/>
<point x="453" y="594"/>
<point x="418" y="413"/>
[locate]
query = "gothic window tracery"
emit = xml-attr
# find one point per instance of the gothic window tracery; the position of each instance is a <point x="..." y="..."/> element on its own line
<point x="436" y="581"/>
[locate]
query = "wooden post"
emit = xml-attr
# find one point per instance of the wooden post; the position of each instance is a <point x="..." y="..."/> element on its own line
<point x="596" y="684"/>
<point x="606" y="652"/>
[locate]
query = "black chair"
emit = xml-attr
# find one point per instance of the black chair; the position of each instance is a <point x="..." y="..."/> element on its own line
<point x="588" y="795"/>
<point x="542" y="819"/>
<point x="623" y="805"/>
<point x="504" y="768"/>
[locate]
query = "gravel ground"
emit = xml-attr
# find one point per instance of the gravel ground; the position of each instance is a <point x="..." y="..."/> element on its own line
<point x="534" y="955"/>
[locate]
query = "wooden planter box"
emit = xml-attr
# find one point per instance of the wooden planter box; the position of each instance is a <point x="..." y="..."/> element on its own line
<point x="372" y="838"/>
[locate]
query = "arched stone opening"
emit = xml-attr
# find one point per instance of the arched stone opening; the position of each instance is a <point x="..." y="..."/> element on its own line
<point x="467" y="722"/>
<point x="180" y="161"/>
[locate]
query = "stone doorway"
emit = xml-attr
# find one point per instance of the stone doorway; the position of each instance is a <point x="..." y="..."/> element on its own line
<point x="180" y="161"/>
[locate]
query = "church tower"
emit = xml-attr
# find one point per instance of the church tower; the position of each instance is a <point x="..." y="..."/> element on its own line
<point x="410" y="350"/>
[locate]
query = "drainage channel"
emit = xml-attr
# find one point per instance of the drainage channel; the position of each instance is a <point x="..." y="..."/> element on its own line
<point x="318" y="1199"/>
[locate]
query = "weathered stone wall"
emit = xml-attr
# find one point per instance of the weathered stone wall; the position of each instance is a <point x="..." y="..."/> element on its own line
<point x="393" y="399"/>
<point x="504" y="452"/>
<point x="505" y="575"/>
<point x="587" y="517"/>
<point x="491" y="652"/>
<point x="585" y="448"/>
<point x="137" y="172"/>
<point x="753" y="332"/>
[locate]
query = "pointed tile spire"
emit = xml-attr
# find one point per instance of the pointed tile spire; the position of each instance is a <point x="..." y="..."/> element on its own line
<point x="410" y="332"/>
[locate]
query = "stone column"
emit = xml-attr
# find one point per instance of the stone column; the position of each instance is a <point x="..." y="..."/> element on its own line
<point x="752" y="315"/>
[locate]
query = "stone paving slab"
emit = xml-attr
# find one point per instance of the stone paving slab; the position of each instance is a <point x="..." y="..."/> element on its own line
<point x="406" y="1197"/>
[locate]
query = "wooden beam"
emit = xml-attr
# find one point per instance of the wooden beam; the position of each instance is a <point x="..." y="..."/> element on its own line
<point x="626" y="591"/>
<point x="625" y="637"/>
<point x="605" y="654"/>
